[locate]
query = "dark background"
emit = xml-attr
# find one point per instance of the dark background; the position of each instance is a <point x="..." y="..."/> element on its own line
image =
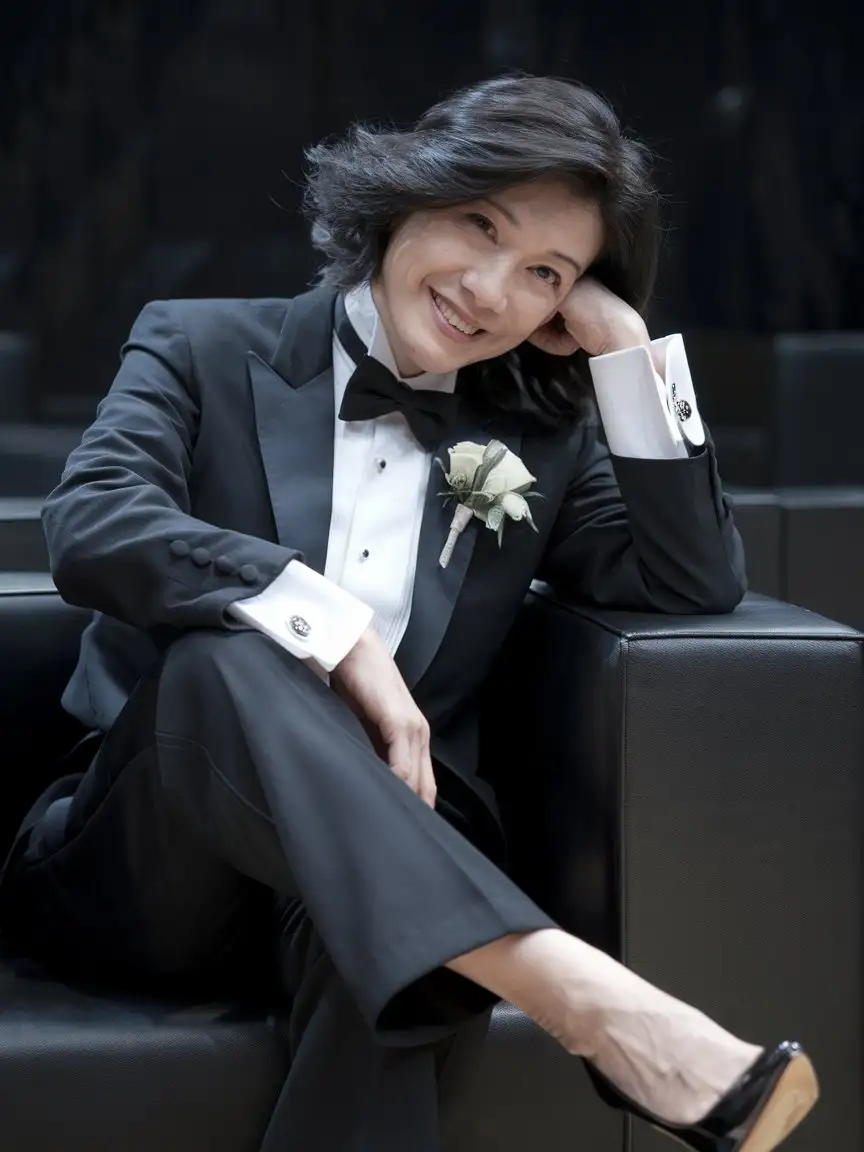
<point x="143" y="148"/>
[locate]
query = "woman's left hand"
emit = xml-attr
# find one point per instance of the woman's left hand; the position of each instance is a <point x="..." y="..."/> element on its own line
<point x="593" y="318"/>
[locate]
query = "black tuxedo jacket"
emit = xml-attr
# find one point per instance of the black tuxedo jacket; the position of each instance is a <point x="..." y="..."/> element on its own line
<point x="209" y="467"/>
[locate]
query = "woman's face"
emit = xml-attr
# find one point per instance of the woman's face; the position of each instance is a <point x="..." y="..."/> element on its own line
<point x="471" y="282"/>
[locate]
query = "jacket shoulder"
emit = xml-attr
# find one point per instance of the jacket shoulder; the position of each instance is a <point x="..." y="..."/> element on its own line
<point x="220" y="324"/>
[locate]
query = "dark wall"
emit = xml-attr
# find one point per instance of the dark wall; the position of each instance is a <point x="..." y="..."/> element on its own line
<point x="757" y="110"/>
<point x="144" y="154"/>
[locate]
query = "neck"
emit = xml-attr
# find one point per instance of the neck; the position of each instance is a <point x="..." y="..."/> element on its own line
<point x="405" y="365"/>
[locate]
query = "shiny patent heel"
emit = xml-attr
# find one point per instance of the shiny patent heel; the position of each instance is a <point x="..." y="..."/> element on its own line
<point x="768" y="1102"/>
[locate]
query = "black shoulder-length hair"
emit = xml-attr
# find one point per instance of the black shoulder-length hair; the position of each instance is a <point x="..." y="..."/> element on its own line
<point x="480" y="140"/>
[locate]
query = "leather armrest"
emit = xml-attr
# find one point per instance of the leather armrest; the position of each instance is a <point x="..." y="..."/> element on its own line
<point x="686" y="793"/>
<point x="603" y="710"/>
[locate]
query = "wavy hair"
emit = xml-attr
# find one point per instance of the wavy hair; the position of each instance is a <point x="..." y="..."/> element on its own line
<point x="478" y="141"/>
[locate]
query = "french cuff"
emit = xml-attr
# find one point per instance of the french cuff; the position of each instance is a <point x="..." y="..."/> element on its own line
<point x="308" y="614"/>
<point x="645" y="416"/>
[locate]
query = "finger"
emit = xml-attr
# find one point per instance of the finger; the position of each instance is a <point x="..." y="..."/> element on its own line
<point x="428" y="786"/>
<point x="400" y="757"/>
<point x="428" y="790"/>
<point x="555" y="343"/>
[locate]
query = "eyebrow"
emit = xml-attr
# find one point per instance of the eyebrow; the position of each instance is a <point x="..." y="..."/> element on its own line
<point x="509" y="216"/>
<point x="514" y="220"/>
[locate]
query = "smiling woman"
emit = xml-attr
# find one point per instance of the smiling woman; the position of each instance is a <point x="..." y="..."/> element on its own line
<point x="473" y="282"/>
<point x="272" y="464"/>
<point x="475" y="226"/>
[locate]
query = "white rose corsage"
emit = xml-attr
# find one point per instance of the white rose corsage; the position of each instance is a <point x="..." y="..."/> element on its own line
<point x="489" y="482"/>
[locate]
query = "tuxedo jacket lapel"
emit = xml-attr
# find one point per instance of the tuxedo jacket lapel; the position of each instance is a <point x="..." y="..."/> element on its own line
<point x="436" y="589"/>
<point x="295" y="414"/>
<point x="294" y="417"/>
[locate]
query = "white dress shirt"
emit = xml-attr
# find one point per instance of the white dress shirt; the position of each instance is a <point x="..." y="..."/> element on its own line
<point x="380" y="477"/>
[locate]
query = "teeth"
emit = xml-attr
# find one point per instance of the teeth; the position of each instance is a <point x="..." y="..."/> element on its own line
<point x="453" y="318"/>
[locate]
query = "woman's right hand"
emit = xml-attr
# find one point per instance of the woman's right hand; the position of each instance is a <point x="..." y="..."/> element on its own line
<point x="372" y="685"/>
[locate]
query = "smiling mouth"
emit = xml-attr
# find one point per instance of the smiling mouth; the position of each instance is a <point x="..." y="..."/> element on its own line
<point x="453" y="318"/>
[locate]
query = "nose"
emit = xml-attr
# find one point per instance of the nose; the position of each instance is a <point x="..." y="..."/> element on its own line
<point x="487" y="283"/>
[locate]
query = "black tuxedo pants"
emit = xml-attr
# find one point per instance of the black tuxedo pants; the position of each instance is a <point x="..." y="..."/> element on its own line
<point x="235" y="778"/>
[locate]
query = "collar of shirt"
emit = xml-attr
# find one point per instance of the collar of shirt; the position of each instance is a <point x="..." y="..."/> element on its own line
<point x="364" y="316"/>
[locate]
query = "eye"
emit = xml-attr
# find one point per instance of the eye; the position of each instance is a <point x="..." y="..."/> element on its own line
<point x="548" y="275"/>
<point x="482" y="222"/>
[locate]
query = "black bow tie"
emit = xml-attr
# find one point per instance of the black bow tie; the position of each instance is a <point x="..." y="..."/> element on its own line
<point x="373" y="391"/>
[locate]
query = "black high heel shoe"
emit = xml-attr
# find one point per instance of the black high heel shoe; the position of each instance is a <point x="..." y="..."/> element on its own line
<point x="771" y="1098"/>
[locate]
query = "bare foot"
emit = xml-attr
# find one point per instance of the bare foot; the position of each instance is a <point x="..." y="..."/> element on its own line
<point x="666" y="1056"/>
<point x="676" y="1063"/>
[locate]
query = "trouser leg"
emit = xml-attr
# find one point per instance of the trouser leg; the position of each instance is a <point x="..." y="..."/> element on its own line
<point x="238" y="773"/>
<point x="346" y="1092"/>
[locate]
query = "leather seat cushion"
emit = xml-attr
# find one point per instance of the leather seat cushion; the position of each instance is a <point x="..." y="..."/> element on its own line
<point x="86" y="1072"/>
<point x="89" y="1072"/>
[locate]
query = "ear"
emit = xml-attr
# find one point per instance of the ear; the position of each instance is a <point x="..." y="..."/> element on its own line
<point x="553" y="337"/>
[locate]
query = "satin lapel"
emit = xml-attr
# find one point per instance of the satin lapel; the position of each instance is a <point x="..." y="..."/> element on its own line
<point x="436" y="589"/>
<point x="294" y="417"/>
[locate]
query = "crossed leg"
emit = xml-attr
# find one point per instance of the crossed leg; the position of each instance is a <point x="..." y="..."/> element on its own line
<point x="234" y="773"/>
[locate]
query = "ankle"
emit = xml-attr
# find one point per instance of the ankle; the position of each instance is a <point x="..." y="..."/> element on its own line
<point x="538" y="973"/>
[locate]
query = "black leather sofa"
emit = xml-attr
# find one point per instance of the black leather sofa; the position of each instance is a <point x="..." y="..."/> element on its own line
<point x="688" y="793"/>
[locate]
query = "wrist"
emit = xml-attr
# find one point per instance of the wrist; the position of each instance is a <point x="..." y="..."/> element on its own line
<point x="363" y="641"/>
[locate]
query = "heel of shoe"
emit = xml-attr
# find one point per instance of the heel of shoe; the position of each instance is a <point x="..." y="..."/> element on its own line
<point x="758" y="1113"/>
<point x="794" y="1096"/>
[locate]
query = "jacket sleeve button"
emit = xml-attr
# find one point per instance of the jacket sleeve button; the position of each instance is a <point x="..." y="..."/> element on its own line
<point x="200" y="557"/>
<point x="224" y="565"/>
<point x="179" y="548"/>
<point x="248" y="574"/>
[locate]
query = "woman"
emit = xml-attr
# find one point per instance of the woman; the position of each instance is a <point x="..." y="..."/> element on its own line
<point x="293" y="626"/>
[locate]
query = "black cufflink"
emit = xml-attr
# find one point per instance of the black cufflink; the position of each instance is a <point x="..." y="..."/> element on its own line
<point x="300" y="627"/>
<point x="682" y="409"/>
